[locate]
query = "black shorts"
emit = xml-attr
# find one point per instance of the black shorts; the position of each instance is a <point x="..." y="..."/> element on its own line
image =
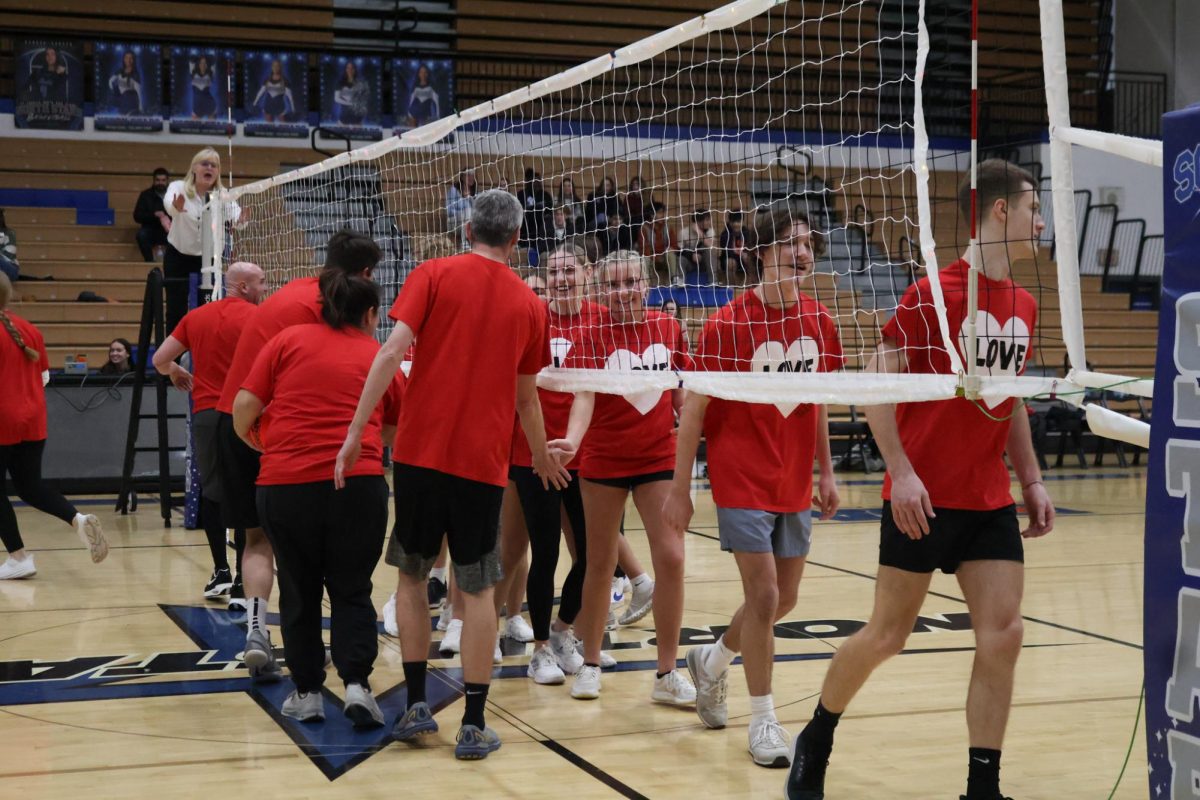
<point x="431" y="505"/>
<point x="954" y="536"/>
<point x="238" y="464"/>
<point x="631" y="482"/>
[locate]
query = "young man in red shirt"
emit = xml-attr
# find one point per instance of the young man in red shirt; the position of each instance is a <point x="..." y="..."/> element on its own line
<point x="481" y="338"/>
<point x="947" y="494"/>
<point x="296" y="303"/>
<point x="760" y="459"/>
<point x="211" y="334"/>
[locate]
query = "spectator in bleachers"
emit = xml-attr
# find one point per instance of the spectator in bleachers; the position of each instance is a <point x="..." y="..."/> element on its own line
<point x="635" y="204"/>
<point x="656" y="239"/>
<point x="737" y="260"/>
<point x="536" y="284"/>
<point x="562" y="228"/>
<point x="184" y="202"/>
<point x="120" y="358"/>
<point x="440" y="246"/>
<point x="602" y="204"/>
<point x="568" y="198"/>
<point x="152" y="216"/>
<point x="8" y="250"/>
<point x="459" y="199"/>
<point x="537" y="203"/>
<point x="617" y="236"/>
<point x="697" y="254"/>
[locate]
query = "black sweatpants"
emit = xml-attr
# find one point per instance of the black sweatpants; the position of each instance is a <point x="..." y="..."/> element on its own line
<point x="541" y="508"/>
<point x="327" y="539"/>
<point x="177" y="268"/>
<point x="23" y="461"/>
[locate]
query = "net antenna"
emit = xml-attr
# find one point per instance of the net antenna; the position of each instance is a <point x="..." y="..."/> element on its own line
<point x="1063" y="135"/>
<point x="712" y="115"/>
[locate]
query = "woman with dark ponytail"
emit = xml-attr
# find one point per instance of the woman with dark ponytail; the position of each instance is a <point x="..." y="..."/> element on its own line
<point x="295" y="406"/>
<point x="24" y="371"/>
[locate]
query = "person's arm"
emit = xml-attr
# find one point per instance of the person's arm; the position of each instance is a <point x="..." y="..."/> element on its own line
<point x="578" y="422"/>
<point x="383" y="369"/>
<point x="911" y="506"/>
<point x="258" y="97"/>
<point x="827" y="492"/>
<point x="174" y="200"/>
<point x="529" y="410"/>
<point x="1038" y="504"/>
<point x="247" y="408"/>
<point x="164" y="362"/>
<point x="677" y="507"/>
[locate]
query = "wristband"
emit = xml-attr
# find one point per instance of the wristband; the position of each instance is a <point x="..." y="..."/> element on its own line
<point x="1031" y="483"/>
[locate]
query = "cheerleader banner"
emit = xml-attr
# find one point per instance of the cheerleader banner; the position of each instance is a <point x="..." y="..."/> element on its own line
<point x="276" y="94"/>
<point x="200" y="90"/>
<point x="48" y="78"/>
<point x="128" y="85"/>
<point x="351" y="96"/>
<point x="422" y="91"/>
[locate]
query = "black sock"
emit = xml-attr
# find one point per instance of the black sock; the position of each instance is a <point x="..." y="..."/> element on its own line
<point x="983" y="775"/>
<point x="662" y="674"/>
<point x="820" y="729"/>
<point x="414" y="681"/>
<point x="590" y="664"/>
<point x="476" y="698"/>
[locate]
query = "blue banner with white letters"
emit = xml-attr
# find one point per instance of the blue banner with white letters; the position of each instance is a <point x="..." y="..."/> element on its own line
<point x="1171" y="629"/>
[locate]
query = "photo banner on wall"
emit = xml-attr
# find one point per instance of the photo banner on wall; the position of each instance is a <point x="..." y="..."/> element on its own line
<point x="128" y="86"/>
<point x="199" y="89"/>
<point x="276" y="94"/>
<point x="422" y="91"/>
<point x="351" y="96"/>
<point x="48" y="78"/>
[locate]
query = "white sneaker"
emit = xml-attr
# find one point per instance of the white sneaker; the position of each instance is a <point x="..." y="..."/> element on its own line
<point x="389" y="617"/>
<point x="607" y="661"/>
<point x="673" y="689"/>
<point x="641" y="604"/>
<point x="517" y="628"/>
<point x="770" y="745"/>
<point x="587" y="683"/>
<point x="445" y="617"/>
<point x="92" y="535"/>
<point x="12" y="569"/>
<point x="611" y="623"/>
<point x="563" y="645"/>
<point x="710" y="689"/>
<point x="498" y="654"/>
<point x="451" y="643"/>
<point x="618" y="592"/>
<point x="544" y="669"/>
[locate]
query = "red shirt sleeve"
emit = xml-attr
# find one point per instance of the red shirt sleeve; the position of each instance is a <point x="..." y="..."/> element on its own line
<point x="680" y="358"/>
<point x="181" y="332"/>
<point x="392" y="400"/>
<point x="832" y="359"/>
<point x="909" y="326"/>
<point x="413" y="302"/>
<point x="537" y="350"/>
<point x="261" y="380"/>
<point x="708" y="354"/>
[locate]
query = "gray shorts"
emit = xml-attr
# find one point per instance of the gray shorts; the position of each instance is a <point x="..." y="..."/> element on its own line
<point x="204" y="435"/>
<point x="746" y="530"/>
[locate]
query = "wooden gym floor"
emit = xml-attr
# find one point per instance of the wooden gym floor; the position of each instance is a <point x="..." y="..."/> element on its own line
<point x="119" y="677"/>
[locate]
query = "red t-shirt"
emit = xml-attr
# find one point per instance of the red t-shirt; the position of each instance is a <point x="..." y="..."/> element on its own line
<point x="22" y="396"/>
<point x="310" y="377"/>
<point x="956" y="450"/>
<point x="566" y="331"/>
<point x="297" y="302"/>
<point x="760" y="456"/>
<point x="211" y="333"/>
<point x="478" y="327"/>
<point x="622" y="441"/>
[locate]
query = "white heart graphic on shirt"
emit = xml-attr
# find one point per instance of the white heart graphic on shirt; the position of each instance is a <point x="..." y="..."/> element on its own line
<point x="1000" y="350"/>
<point x="656" y="357"/>
<point x="802" y="355"/>
<point x="559" y="350"/>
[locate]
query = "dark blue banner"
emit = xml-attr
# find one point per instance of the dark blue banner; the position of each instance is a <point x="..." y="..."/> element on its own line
<point x="48" y="78"/>
<point x="422" y="91"/>
<point x="1172" y="580"/>
<point x="200" y="89"/>
<point x="128" y="86"/>
<point x="276" y="91"/>
<point x="352" y="96"/>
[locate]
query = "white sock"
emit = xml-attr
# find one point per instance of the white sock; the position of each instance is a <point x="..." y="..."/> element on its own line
<point x="718" y="657"/>
<point x="256" y="618"/>
<point x="439" y="573"/>
<point x="78" y="520"/>
<point x="640" y="580"/>
<point x="762" y="711"/>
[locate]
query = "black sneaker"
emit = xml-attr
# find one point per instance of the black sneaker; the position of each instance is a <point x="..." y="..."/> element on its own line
<point x="806" y="776"/>
<point x="237" y="595"/>
<point x="436" y="590"/>
<point x="219" y="584"/>
<point x="998" y="797"/>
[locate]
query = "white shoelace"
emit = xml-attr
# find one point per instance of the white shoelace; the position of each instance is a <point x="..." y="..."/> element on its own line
<point x="675" y="683"/>
<point x="770" y="734"/>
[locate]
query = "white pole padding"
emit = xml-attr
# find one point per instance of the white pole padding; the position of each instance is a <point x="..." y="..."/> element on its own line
<point x="1058" y="108"/>
<point x="1147" y="151"/>
<point x="1111" y="425"/>
<point x="1141" y="387"/>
